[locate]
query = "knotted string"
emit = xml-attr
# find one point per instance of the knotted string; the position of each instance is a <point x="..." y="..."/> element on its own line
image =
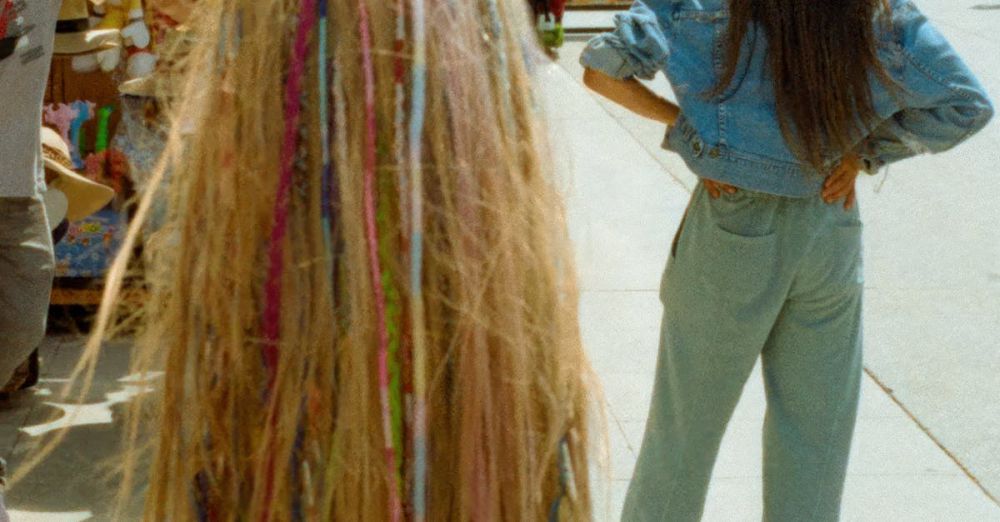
<point x="418" y="76"/>
<point x="276" y="247"/>
<point x="371" y="232"/>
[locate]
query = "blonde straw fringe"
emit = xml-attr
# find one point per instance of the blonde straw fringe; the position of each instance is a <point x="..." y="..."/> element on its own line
<point x="504" y="408"/>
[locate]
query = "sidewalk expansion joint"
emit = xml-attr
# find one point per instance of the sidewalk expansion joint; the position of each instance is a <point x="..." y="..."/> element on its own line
<point x="888" y="391"/>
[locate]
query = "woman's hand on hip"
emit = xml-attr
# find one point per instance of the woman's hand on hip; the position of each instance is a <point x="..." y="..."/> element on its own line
<point x="840" y="183"/>
<point x="715" y="188"/>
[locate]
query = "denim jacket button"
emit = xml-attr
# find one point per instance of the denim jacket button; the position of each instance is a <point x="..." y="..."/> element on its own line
<point x="696" y="146"/>
<point x="714" y="152"/>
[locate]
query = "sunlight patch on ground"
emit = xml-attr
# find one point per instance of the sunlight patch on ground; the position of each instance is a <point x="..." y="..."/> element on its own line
<point x="32" y="516"/>
<point x="96" y="413"/>
<point x="141" y="377"/>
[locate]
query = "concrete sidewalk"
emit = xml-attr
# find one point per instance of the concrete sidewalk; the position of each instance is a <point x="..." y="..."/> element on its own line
<point x="76" y="482"/>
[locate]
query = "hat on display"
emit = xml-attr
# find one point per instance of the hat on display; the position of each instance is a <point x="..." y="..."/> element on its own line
<point x="145" y="87"/>
<point x="56" y="206"/>
<point x="161" y="85"/>
<point x="83" y="196"/>
<point x="74" y="34"/>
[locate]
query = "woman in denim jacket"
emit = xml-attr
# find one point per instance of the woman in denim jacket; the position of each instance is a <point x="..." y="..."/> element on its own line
<point x="781" y="104"/>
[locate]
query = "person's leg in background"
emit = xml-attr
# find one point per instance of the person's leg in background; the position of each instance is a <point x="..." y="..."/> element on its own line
<point x="4" y="516"/>
<point x="812" y="366"/>
<point x="26" y="272"/>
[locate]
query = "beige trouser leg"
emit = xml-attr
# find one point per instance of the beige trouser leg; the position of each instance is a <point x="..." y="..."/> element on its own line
<point x="26" y="271"/>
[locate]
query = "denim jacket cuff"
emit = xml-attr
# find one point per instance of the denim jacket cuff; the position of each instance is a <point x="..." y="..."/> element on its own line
<point x="870" y="159"/>
<point x="601" y="56"/>
<point x="608" y="54"/>
<point x="871" y="165"/>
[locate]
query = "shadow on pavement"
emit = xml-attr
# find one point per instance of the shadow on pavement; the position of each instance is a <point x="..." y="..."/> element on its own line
<point x="78" y="481"/>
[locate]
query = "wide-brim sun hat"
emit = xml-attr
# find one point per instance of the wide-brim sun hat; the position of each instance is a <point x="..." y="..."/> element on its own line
<point x="74" y="34"/>
<point x="56" y="205"/>
<point x="84" y="196"/>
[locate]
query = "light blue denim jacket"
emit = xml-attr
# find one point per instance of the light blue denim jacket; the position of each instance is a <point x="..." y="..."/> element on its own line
<point x="735" y="137"/>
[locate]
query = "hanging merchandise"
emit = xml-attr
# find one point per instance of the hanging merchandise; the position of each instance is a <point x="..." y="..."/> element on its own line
<point x="129" y="18"/>
<point x="81" y="96"/>
<point x="140" y="137"/>
<point x="82" y="106"/>
<point x="548" y="18"/>
<point x="600" y="4"/>
<point x="91" y="233"/>
<point x="145" y="101"/>
<point x="363" y="293"/>
<point x="83" y="196"/>
<point x="90" y="48"/>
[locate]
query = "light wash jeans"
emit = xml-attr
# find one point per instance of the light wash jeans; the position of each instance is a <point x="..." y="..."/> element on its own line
<point x="26" y="270"/>
<point x="755" y="275"/>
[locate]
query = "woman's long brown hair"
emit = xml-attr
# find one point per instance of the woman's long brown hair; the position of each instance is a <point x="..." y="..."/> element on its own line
<point x="821" y="56"/>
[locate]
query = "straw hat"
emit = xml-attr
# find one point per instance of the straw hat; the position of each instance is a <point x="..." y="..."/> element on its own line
<point x="144" y="87"/>
<point x="56" y="205"/>
<point x="84" y="197"/>
<point x="74" y="35"/>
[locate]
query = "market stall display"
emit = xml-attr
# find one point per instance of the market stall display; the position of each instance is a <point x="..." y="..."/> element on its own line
<point x="96" y="48"/>
<point x="599" y="4"/>
<point x="549" y="17"/>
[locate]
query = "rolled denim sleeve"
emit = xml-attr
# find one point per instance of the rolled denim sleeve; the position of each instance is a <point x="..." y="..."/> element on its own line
<point x="637" y="47"/>
<point x="943" y="103"/>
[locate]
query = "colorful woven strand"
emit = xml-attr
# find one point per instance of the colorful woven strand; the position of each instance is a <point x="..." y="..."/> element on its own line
<point x="276" y="246"/>
<point x="276" y="253"/>
<point x="399" y="122"/>
<point x="397" y="346"/>
<point x="419" y="87"/>
<point x="334" y="458"/>
<point x="567" y="478"/>
<point x="503" y="67"/>
<point x="324" y="131"/>
<point x="371" y="232"/>
<point x="326" y="210"/>
<point x="385" y="205"/>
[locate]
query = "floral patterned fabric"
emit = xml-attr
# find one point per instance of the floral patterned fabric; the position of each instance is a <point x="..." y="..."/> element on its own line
<point x="90" y="245"/>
